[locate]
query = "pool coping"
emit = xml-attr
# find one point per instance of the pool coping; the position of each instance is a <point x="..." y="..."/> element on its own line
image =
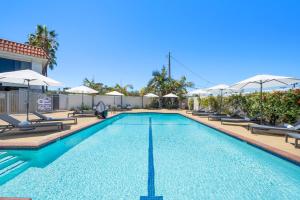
<point x="49" y="140"/>
<point x="270" y="149"/>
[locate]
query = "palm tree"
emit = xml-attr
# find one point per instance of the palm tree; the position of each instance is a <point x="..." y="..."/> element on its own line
<point x="96" y="86"/>
<point x="47" y="40"/>
<point x="91" y="84"/>
<point x="123" y="89"/>
<point x="158" y="82"/>
<point x="161" y="84"/>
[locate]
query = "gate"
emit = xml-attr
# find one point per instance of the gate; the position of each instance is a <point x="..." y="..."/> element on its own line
<point x="55" y="98"/>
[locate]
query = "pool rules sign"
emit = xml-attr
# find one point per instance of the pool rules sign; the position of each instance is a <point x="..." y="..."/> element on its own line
<point x="44" y="103"/>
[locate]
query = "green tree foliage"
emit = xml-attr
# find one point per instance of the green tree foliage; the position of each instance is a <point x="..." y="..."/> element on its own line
<point x="278" y="107"/>
<point x="103" y="89"/>
<point x="47" y="40"/>
<point x="161" y="85"/>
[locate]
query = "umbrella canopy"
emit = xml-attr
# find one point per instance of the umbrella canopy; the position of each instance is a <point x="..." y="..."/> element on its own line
<point x="198" y="92"/>
<point x="218" y="88"/>
<point x="27" y="77"/>
<point x="151" y="95"/>
<point x="114" y="93"/>
<point x="82" y="90"/>
<point x="267" y="81"/>
<point x="170" y="95"/>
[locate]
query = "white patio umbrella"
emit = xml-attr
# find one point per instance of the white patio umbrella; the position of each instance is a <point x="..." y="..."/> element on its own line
<point x="27" y="77"/>
<point x="264" y="81"/>
<point x="148" y="95"/>
<point x="82" y="90"/>
<point x="197" y="92"/>
<point x="220" y="89"/>
<point x="151" y="95"/>
<point x="170" y="95"/>
<point x="115" y="93"/>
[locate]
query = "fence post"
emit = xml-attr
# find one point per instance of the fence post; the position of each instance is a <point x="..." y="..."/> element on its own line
<point x="7" y="102"/>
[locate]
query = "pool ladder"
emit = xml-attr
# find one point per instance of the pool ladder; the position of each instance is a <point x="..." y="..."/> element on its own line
<point x="10" y="166"/>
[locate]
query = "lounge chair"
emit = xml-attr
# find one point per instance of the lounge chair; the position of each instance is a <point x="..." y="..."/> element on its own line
<point x="217" y="117"/>
<point x="279" y="130"/>
<point x="202" y="113"/>
<point x="239" y="119"/>
<point x="25" y="125"/>
<point x="293" y="135"/>
<point x="82" y="113"/>
<point x="43" y="118"/>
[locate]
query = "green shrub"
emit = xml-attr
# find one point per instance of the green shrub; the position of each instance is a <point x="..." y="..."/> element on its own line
<point x="278" y="107"/>
<point x="191" y="103"/>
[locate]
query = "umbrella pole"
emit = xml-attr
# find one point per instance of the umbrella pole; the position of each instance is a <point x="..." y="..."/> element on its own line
<point x="261" y="103"/>
<point x="81" y="101"/>
<point x="142" y="102"/>
<point x="221" y="102"/>
<point x="27" y="105"/>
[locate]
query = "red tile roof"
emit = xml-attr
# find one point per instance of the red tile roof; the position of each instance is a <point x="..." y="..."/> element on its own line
<point x="24" y="49"/>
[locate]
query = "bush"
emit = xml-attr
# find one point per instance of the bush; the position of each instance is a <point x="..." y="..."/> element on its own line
<point x="278" y="107"/>
<point x="191" y="103"/>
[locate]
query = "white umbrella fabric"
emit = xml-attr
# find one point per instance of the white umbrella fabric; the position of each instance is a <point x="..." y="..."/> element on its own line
<point x="151" y="95"/>
<point x="198" y="92"/>
<point x="27" y="77"/>
<point x="170" y="95"/>
<point x="115" y="93"/>
<point x="265" y="81"/>
<point x="82" y="90"/>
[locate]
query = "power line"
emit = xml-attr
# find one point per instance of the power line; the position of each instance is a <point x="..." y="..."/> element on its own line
<point x="191" y="71"/>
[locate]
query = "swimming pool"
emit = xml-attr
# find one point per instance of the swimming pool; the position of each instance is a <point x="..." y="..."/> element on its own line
<point x="132" y="155"/>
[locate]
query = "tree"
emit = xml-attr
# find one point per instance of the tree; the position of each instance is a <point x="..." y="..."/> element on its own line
<point x="161" y="85"/>
<point x="47" y="40"/>
<point x="123" y="89"/>
<point x="97" y="86"/>
<point x="159" y="82"/>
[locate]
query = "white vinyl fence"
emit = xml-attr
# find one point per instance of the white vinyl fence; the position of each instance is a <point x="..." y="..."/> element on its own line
<point x="74" y="100"/>
<point x="15" y="101"/>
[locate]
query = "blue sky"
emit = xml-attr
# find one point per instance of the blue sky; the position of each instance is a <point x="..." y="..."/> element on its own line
<point x="222" y="41"/>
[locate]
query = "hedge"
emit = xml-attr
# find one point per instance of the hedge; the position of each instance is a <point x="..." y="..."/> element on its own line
<point x="278" y="107"/>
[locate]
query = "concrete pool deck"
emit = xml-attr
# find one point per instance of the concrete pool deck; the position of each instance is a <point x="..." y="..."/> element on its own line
<point x="272" y="143"/>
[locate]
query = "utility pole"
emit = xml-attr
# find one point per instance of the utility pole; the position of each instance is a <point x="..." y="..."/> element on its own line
<point x="169" y="65"/>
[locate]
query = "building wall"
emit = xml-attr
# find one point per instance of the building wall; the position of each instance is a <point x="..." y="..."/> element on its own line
<point x="37" y="64"/>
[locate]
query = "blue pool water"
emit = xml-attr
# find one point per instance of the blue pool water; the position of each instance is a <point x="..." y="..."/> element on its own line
<point x="120" y="160"/>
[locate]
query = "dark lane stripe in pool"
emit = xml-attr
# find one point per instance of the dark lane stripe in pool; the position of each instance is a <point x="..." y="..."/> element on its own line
<point x="151" y="172"/>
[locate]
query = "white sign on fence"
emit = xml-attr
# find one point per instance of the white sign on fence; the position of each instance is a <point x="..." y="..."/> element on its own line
<point x="44" y="103"/>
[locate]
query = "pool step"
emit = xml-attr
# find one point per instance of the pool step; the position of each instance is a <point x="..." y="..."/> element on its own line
<point x="6" y="161"/>
<point x="12" y="170"/>
<point x="3" y="154"/>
